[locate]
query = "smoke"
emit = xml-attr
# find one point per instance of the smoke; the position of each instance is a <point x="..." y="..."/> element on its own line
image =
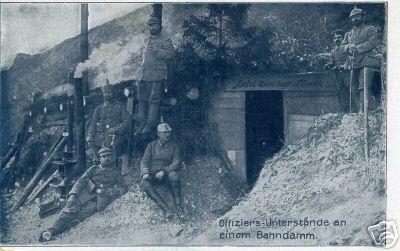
<point x="109" y="57"/>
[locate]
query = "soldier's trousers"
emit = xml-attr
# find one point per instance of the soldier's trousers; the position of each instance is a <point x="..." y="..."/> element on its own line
<point x="357" y="89"/>
<point x="69" y="218"/>
<point x="343" y="91"/>
<point x="366" y="74"/>
<point x="149" y="96"/>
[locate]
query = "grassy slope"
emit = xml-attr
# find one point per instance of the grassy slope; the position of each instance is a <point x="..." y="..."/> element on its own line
<point x="321" y="177"/>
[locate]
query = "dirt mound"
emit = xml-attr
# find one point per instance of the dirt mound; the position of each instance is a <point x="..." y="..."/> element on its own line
<point x="321" y="177"/>
<point x="133" y="219"/>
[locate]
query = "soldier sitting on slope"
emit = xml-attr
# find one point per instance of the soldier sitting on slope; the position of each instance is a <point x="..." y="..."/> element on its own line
<point x="92" y="192"/>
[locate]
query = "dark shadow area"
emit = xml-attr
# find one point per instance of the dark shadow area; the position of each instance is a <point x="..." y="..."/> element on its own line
<point x="264" y="129"/>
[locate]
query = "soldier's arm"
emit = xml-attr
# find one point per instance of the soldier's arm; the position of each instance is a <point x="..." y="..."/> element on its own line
<point x="122" y="187"/>
<point x="82" y="182"/>
<point x="119" y="189"/>
<point x="345" y="43"/>
<point x="93" y="125"/>
<point x="372" y="41"/>
<point x="167" y="50"/>
<point x="145" y="163"/>
<point x="125" y="119"/>
<point x="176" y="161"/>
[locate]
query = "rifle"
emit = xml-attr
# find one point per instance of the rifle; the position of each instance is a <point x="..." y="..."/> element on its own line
<point x="351" y="58"/>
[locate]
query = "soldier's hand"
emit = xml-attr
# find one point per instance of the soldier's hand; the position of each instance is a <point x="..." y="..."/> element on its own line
<point x="112" y="131"/>
<point x="71" y="200"/>
<point x="160" y="175"/>
<point x="328" y="66"/>
<point x="90" y="143"/>
<point x="352" y="48"/>
<point x="145" y="176"/>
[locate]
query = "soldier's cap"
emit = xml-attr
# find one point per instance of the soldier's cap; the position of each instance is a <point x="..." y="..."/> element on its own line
<point x="356" y="11"/>
<point x="107" y="87"/>
<point x="153" y="20"/>
<point x="164" y="127"/>
<point x="105" y="151"/>
<point x="338" y="32"/>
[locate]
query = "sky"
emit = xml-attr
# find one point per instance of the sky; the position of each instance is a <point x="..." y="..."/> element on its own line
<point x="34" y="27"/>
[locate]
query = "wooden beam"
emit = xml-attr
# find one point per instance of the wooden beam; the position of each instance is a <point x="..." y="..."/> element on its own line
<point x="80" y="127"/>
<point x="38" y="175"/>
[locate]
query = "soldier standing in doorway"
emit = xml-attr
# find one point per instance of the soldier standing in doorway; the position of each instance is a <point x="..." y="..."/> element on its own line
<point x="151" y="76"/>
<point x="108" y="127"/>
<point x="336" y="64"/>
<point x="359" y="44"/>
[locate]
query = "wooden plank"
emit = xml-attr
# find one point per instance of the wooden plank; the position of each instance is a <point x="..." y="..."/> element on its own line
<point x="238" y="159"/>
<point x="39" y="173"/>
<point x="306" y="94"/>
<point x="285" y="117"/>
<point x="299" y="117"/>
<point x="310" y="81"/>
<point x="40" y="189"/>
<point x="232" y="136"/>
<point x="313" y="106"/>
<point x="298" y="126"/>
<point x="224" y="94"/>
<point x="229" y="103"/>
<point x="235" y="116"/>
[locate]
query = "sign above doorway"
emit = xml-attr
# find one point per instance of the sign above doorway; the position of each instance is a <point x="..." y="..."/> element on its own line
<point x="310" y="81"/>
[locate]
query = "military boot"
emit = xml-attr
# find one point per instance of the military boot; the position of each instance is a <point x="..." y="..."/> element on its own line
<point x="177" y="196"/>
<point x="125" y="164"/>
<point x="143" y="111"/>
<point x="153" y="118"/>
<point x="142" y="125"/>
<point x="46" y="235"/>
<point x="159" y="201"/>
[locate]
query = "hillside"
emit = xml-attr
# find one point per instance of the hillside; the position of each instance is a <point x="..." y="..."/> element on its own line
<point x="209" y="190"/>
<point x="322" y="177"/>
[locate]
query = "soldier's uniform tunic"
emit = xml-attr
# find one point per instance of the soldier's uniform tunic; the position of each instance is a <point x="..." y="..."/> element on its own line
<point x="88" y="201"/>
<point x="160" y="157"/>
<point x="104" y="118"/>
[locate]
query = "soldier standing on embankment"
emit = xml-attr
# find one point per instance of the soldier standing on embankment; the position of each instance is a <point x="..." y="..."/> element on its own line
<point x="361" y="41"/>
<point x="151" y="76"/>
<point x="337" y="61"/>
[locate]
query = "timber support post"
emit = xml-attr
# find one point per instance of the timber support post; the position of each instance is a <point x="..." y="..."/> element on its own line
<point x="80" y="126"/>
<point x="84" y="45"/>
<point x="366" y="97"/>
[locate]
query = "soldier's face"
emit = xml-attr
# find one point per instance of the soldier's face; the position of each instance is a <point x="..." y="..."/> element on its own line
<point x="106" y="160"/>
<point x="164" y="136"/>
<point x="107" y="96"/>
<point x="337" y="39"/>
<point x="356" y="19"/>
<point x="154" y="29"/>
